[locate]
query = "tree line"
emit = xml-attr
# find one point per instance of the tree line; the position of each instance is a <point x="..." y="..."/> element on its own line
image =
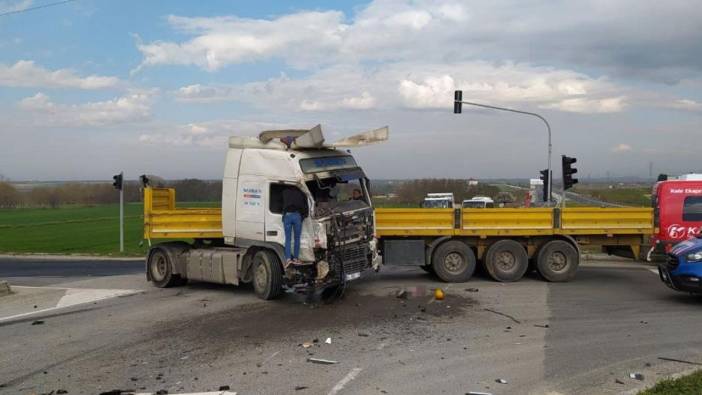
<point x="195" y="190"/>
<point x="77" y="193"/>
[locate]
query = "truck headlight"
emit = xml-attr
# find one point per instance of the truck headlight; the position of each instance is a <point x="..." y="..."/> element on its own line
<point x="694" y="257"/>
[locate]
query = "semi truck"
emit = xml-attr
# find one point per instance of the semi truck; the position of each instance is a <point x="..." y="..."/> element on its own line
<point x="244" y="240"/>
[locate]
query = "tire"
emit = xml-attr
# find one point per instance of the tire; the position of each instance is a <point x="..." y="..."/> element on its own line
<point x="453" y="262"/>
<point x="267" y="275"/>
<point x="558" y="261"/>
<point x="506" y="261"/>
<point x="161" y="269"/>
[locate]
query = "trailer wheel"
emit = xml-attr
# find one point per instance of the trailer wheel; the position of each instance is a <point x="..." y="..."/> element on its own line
<point x="558" y="261"/>
<point x="267" y="275"/>
<point x="453" y="262"/>
<point x="161" y="269"/>
<point x="506" y="261"/>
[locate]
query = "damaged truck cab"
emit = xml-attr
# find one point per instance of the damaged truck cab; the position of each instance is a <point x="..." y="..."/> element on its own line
<point x="337" y="241"/>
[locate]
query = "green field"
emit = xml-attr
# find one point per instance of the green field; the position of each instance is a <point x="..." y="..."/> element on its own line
<point x="687" y="385"/>
<point x="74" y="229"/>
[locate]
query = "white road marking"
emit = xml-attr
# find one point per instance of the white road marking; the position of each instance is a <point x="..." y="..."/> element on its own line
<point x="74" y="297"/>
<point x="269" y="358"/>
<point x="347" y="379"/>
<point x="654" y="271"/>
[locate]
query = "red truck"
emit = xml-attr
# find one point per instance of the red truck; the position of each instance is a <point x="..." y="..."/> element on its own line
<point x="677" y="207"/>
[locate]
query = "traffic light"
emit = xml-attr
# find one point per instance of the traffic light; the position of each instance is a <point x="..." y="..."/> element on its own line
<point x="117" y="183"/>
<point x="545" y="178"/>
<point x="457" y="102"/>
<point x="568" y="171"/>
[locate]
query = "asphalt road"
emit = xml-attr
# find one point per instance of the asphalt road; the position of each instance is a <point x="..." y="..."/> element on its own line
<point x="578" y="337"/>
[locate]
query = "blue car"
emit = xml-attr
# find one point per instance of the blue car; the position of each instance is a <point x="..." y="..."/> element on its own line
<point x="682" y="270"/>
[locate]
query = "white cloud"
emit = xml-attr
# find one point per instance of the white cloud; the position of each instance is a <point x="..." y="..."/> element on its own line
<point x="686" y="104"/>
<point x="25" y="73"/>
<point x="622" y="148"/>
<point x="13" y="6"/>
<point x="581" y="105"/>
<point x="583" y="34"/>
<point x="133" y="107"/>
<point x="210" y="135"/>
<point x="422" y="86"/>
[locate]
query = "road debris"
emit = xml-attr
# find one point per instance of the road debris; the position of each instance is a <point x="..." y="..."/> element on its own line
<point x="472" y="290"/>
<point x="224" y="388"/>
<point x="401" y="294"/>
<point x="38" y="322"/>
<point x="363" y="334"/>
<point x="541" y="326"/>
<point x="503" y="314"/>
<point x="636" y="376"/>
<point x="300" y="387"/>
<point x="679" y="360"/>
<point x="322" y="361"/>
<point x="478" y="393"/>
<point x="501" y="381"/>
<point x="439" y="294"/>
<point x="306" y="345"/>
<point x="618" y="381"/>
<point x="328" y="341"/>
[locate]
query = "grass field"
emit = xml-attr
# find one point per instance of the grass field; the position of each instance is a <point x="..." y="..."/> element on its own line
<point x="687" y="385"/>
<point x="74" y="229"/>
<point x="628" y="196"/>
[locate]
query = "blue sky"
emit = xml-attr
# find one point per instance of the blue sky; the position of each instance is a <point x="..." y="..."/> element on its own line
<point x="91" y="87"/>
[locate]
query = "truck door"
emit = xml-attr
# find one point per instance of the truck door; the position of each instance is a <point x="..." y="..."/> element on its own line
<point x="275" y="232"/>
<point x="250" y="206"/>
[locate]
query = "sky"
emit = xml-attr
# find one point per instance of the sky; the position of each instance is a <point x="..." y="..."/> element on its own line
<point x="93" y="87"/>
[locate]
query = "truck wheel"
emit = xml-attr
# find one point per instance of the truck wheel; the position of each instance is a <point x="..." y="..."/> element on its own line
<point x="558" y="261"/>
<point x="267" y="275"/>
<point x="161" y="270"/>
<point x="453" y="262"/>
<point x="506" y="261"/>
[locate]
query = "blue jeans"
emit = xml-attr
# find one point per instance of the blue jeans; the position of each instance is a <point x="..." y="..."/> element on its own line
<point x="292" y="222"/>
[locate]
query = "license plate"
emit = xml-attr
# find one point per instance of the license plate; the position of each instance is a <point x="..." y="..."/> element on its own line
<point x="352" y="276"/>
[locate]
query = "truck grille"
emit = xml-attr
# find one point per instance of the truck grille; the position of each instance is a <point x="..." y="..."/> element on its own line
<point x="354" y="258"/>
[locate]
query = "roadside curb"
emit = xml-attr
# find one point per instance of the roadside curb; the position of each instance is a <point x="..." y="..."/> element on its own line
<point x="5" y="288"/>
<point x="58" y="257"/>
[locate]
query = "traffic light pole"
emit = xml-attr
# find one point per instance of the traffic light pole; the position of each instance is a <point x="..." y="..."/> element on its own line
<point x="121" y="220"/>
<point x="548" y="128"/>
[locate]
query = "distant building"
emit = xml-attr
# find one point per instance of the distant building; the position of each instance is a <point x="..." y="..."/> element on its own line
<point x="472" y="182"/>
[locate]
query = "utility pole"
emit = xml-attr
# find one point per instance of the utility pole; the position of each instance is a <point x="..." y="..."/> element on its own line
<point x="118" y="184"/>
<point x="457" y="109"/>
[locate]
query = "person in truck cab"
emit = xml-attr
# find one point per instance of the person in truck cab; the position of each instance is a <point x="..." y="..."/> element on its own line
<point x="356" y="194"/>
<point x="294" y="212"/>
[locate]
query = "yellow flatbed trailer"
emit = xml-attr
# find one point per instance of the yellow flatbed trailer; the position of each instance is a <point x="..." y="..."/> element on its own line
<point x="449" y="242"/>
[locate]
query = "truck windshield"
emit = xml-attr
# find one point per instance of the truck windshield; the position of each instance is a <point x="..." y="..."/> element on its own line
<point x="328" y="163"/>
<point x="334" y="194"/>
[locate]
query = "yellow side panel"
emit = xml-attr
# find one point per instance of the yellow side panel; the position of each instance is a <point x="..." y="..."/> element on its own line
<point x="414" y="221"/>
<point x="597" y="220"/>
<point x="163" y="221"/>
<point x="506" y="221"/>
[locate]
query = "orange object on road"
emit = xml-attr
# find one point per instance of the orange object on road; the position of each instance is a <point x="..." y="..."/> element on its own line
<point x="438" y="294"/>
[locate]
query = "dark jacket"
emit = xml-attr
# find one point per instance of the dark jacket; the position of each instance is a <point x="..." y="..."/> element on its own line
<point x="294" y="201"/>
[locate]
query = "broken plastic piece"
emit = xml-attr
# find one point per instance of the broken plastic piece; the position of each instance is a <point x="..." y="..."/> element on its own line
<point x="322" y="361"/>
<point x="439" y="294"/>
<point x="636" y="376"/>
<point x="501" y="381"/>
<point x="306" y="345"/>
<point x="328" y="341"/>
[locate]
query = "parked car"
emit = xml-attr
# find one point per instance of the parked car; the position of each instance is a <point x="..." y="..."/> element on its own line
<point x="682" y="270"/>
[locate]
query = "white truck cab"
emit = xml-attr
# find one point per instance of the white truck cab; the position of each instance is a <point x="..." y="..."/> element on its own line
<point x="438" y="200"/>
<point x="337" y="239"/>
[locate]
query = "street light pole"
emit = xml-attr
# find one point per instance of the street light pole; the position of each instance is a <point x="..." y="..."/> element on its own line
<point x="458" y="98"/>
